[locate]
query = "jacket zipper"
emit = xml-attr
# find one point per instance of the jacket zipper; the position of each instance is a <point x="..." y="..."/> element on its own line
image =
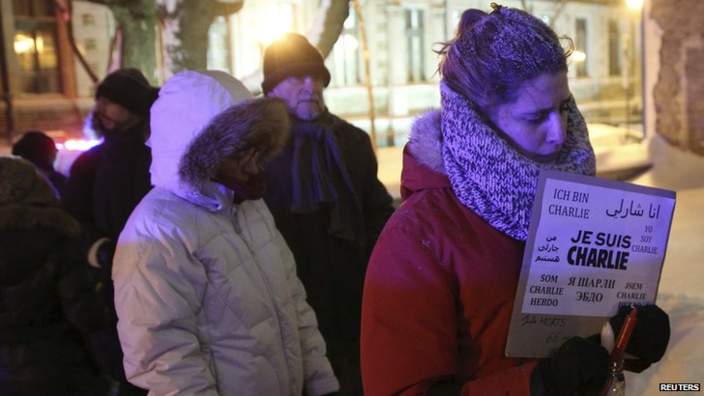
<point x="262" y="274"/>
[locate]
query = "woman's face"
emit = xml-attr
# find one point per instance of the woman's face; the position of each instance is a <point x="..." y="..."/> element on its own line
<point x="537" y="120"/>
<point x="243" y="172"/>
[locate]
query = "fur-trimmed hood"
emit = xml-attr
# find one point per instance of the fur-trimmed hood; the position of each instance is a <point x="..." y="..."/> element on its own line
<point x="423" y="166"/>
<point x="27" y="200"/>
<point x="199" y="119"/>
<point x="425" y="141"/>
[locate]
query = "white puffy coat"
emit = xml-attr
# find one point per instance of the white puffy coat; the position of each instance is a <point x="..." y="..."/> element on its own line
<point x="206" y="291"/>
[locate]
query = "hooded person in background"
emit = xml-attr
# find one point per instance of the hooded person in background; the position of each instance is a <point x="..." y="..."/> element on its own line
<point x="108" y="181"/>
<point x="49" y="306"/>
<point x="205" y="287"/>
<point x="326" y="199"/>
<point x="39" y="149"/>
<point x="442" y="279"/>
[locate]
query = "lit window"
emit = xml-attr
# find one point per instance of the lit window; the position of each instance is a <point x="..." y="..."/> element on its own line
<point x="35" y="46"/>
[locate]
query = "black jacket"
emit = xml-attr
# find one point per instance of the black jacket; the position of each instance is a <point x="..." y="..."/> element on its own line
<point x="105" y="184"/>
<point x="50" y="310"/>
<point x="332" y="269"/>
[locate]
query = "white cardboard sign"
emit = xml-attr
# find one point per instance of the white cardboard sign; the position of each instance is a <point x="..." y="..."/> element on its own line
<point x="593" y="245"/>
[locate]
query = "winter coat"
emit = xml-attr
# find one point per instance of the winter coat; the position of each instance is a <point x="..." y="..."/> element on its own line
<point x="439" y="289"/>
<point x="107" y="182"/>
<point x="206" y="289"/>
<point x="332" y="268"/>
<point x="49" y="307"/>
<point x="104" y="186"/>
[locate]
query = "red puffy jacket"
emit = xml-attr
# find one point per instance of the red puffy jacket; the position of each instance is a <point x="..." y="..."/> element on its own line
<point x="439" y="290"/>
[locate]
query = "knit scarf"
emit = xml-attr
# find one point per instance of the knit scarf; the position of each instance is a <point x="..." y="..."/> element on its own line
<point x="320" y="178"/>
<point x="491" y="177"/>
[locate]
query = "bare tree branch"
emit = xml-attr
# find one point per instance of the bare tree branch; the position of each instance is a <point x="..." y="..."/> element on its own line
<point x="328" y="25"/>
<point x="66" y="10"/>
<point x="558" y="10"/>
<point x="526" y="7"/>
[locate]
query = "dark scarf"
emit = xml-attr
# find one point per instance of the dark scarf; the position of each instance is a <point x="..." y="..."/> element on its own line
<point x="493" y="179"/>
<point x="320" y="178"/>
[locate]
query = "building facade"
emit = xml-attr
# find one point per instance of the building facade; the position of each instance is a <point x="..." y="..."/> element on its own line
<point x="605" y="72"/>
<point x="49" y="88"/>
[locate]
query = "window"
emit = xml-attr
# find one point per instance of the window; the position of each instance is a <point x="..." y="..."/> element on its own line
<point x="35" y="45"/>
<point x="614" y="49"/>
<point x="346" y="59"/>
<point x="87" y="19"/>
<point x="33" y="8"/>
<point x="415" y="49"/>
<point x="580" y="42"/>
<point x="89" y="44"/>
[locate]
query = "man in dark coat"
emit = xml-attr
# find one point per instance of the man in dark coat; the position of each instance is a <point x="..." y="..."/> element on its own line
<point x="107" y="182"/>
<point x="326" y="199"/>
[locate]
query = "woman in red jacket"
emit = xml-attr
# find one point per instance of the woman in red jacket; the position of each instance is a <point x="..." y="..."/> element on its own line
<point x="441" y="282"/>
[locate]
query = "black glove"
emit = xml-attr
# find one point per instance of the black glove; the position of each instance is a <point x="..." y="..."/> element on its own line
<point x="650" y="336"/>
<point x="579" y="366"/>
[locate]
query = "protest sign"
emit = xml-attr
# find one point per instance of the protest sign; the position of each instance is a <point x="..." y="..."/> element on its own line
<point x="593" y="245"/>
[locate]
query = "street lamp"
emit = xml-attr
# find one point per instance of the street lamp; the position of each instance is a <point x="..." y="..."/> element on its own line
<point x="278" y="22"/>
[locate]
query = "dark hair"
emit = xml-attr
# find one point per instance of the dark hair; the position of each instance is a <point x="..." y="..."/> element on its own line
<point x="493" y="54"/>
<point x="36" y="147"/>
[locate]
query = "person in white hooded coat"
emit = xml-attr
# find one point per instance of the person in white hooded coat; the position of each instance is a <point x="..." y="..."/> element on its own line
<point x="205" y="287"/>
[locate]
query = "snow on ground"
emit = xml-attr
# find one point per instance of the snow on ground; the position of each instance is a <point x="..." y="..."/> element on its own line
<point x="681" y="292"/>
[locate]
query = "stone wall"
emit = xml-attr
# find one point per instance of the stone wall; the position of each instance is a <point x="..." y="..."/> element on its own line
<point x="678" y="93"/>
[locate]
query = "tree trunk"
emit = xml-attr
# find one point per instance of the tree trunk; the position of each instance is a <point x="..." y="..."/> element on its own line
<point x="137" y="20"/>
<point x="186" y="24"/>
<point x="328" y="24"/>
<point x="138" y="25"/>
